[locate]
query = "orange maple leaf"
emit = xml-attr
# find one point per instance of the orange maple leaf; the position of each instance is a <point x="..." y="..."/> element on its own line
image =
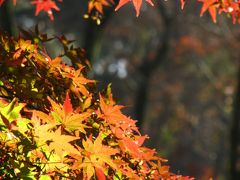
<point x="63" y="116"/>
<point x="112" y="114"/>
<point x="133" y="146"/>
<point x="210" y="6"/>
<point x="98" y="5"/>
<point x="61" y="143"/>
<point x="96" y="158"/>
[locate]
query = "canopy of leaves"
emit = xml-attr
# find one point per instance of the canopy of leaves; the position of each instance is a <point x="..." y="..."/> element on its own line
<point x="53" y="123"/>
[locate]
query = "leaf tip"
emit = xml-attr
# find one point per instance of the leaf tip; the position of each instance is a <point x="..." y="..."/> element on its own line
<point x="67" y="106"/>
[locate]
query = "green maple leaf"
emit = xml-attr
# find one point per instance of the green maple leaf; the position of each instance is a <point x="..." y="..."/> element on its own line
<point x="12" y="111"/>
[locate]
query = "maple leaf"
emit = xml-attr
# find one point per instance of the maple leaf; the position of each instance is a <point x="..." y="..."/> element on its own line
<point x="97" y="157"/>
<point x="45" y="136"/>
<point x="41" y="131"/>
<point x="132" y="146"/>
<point x="232" y="8"/>
<point x="98" y="5"/>
<point x="60" y="143"/>
<point x="1" y="2"/>
<point x="210" y="6"/>
<point x="45" y="5"/>
<point x="79" y="82"/>
<point x="112" y="114"/>
<point x="149" y="154"/>
<point x="64" y="116"/>
<point x="75" y="122"/>
<point x="22" y="47"/>
<point x="206" y="5"/>
<point x="136" y="3"/>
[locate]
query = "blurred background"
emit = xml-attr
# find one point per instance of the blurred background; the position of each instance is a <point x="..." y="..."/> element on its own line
<point x="176" y="73"/>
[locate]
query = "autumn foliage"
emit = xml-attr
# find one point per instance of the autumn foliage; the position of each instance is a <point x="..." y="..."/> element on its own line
<point x="54" y="124"/>
<point x="229" y="7"/>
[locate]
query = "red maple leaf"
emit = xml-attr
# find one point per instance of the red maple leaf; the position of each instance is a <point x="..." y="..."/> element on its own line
<point x="136" y="3"/>
<point x="67" y="106"/>
<point x="100" y="174"/>
<point x="183" y="3"/>
<point x="47" y="6"/>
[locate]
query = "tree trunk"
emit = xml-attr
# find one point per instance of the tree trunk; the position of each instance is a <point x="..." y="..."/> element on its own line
<point x="235" y="134"/>
<point x="141" y="99"/>
<point x="148" y="67"/>
<point x="93" y="32"/>
<point x="7" y="22"/>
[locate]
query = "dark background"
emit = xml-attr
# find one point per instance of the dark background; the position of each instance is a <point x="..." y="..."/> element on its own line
<point x="178" y="75"/>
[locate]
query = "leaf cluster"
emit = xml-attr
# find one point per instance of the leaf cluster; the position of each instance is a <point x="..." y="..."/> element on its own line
<point x="28" y="73"/>
<point x="95" y="7"/>
<point x="54" y="125"/>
